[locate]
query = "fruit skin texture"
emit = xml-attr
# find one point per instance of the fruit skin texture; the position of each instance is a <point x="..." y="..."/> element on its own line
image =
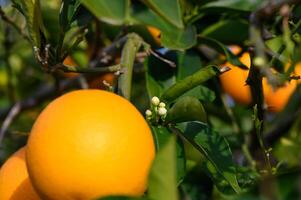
<point x="234" y="81"/>
<point x="88" y="144"/>
<point x="14" y="181"/>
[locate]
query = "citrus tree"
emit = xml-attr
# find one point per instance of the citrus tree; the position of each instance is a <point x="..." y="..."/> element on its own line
<point x="217" y="83"/>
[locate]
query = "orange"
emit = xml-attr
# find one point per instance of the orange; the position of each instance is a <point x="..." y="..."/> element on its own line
<point x="155" y="33"/>
<point x="234" y="84"/>
<point x="277" y="99"/>
<point x="88" y="144"/>
<point x="234" y="81"/>
<point x="14" y="181"/>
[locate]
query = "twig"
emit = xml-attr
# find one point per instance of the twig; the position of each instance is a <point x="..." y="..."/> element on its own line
<point x="65" y="68"/>
<point x="43" y="93"/>
<point x="170" y="63"/>
<point x="8" y="120"/>
<point x="12" y="23"/>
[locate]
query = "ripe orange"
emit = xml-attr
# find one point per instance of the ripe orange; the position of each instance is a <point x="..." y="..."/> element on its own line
<point x="234" y="81"/>
<point x="14" y="181"/>
<point x="88" y="144"/>
<point x="276" y="100"/>
<point x="155" y="33"/>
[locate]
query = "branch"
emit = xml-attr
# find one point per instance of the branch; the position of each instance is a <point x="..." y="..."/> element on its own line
<point x="100" y="70"/>
<point x="43" y="93"/>
<point x="15" y="110"/>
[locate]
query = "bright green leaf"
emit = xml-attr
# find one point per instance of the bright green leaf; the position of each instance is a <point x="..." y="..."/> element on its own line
<point x="190" y="82"/>
<point x="113" y="12"/>
<point x="31" y="10"/>
<point x="161" y="136"/>
<point x="162" y="179"/>
<point x="185" y="109"/>
<point x="171" y="36"/>
<point x="170" y="10"/>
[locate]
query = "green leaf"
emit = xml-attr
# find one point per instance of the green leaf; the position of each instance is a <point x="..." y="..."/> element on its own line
<point x="188" y="63"/>
<point x="162" y="179"/>
<point x="202" y="93"/>
<point x="171" y="36"/>
<point x="170" y="10"/>
<point x="185" y="109"/>
<point x="223" y="31"/>
<point x="215" y="148"/>
<point x="113" y="12"/>
<point x="179" y="39"/>
<point x="190" y="82"/>
<point x="239" y="5"/>
<point x="222" y="49"/>
<point x="161" y="136"/>
<point x="31" y="10"/>
<point x="67" y="12"/>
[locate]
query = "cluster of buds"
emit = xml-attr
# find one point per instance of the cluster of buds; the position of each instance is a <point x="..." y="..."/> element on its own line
<point x="157" y="111"/>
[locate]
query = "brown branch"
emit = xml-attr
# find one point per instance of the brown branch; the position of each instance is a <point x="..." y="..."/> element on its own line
<point x="12" y="114"/>
<point x="43" y="93"/>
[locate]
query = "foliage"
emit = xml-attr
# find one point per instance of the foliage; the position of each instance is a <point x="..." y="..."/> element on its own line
<point x="208" y="146"/>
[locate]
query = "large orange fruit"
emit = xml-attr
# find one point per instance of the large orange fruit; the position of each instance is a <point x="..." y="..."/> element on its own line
<point x="277" y="99"/>
<point x="234" y="81"/>
<point x="14" y="181"/>
<point x="234" y="84"/>
<point x="88" y="144"/>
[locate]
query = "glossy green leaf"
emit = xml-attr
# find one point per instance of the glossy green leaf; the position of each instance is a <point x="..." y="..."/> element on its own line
<point x="171" y="36"/>
<point x="223" y="31"/>
<point x="222" y="49"/>
<point x="162" y="179"/>
<point x="161" y="136"/>
<point x="170" y="10"/>
<point x="31" y="10"/>
<point x="190" y="82"/>
<point x="185" y="109"/>
<point x="113" y="12"/>
<point x="215" y="148"/>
